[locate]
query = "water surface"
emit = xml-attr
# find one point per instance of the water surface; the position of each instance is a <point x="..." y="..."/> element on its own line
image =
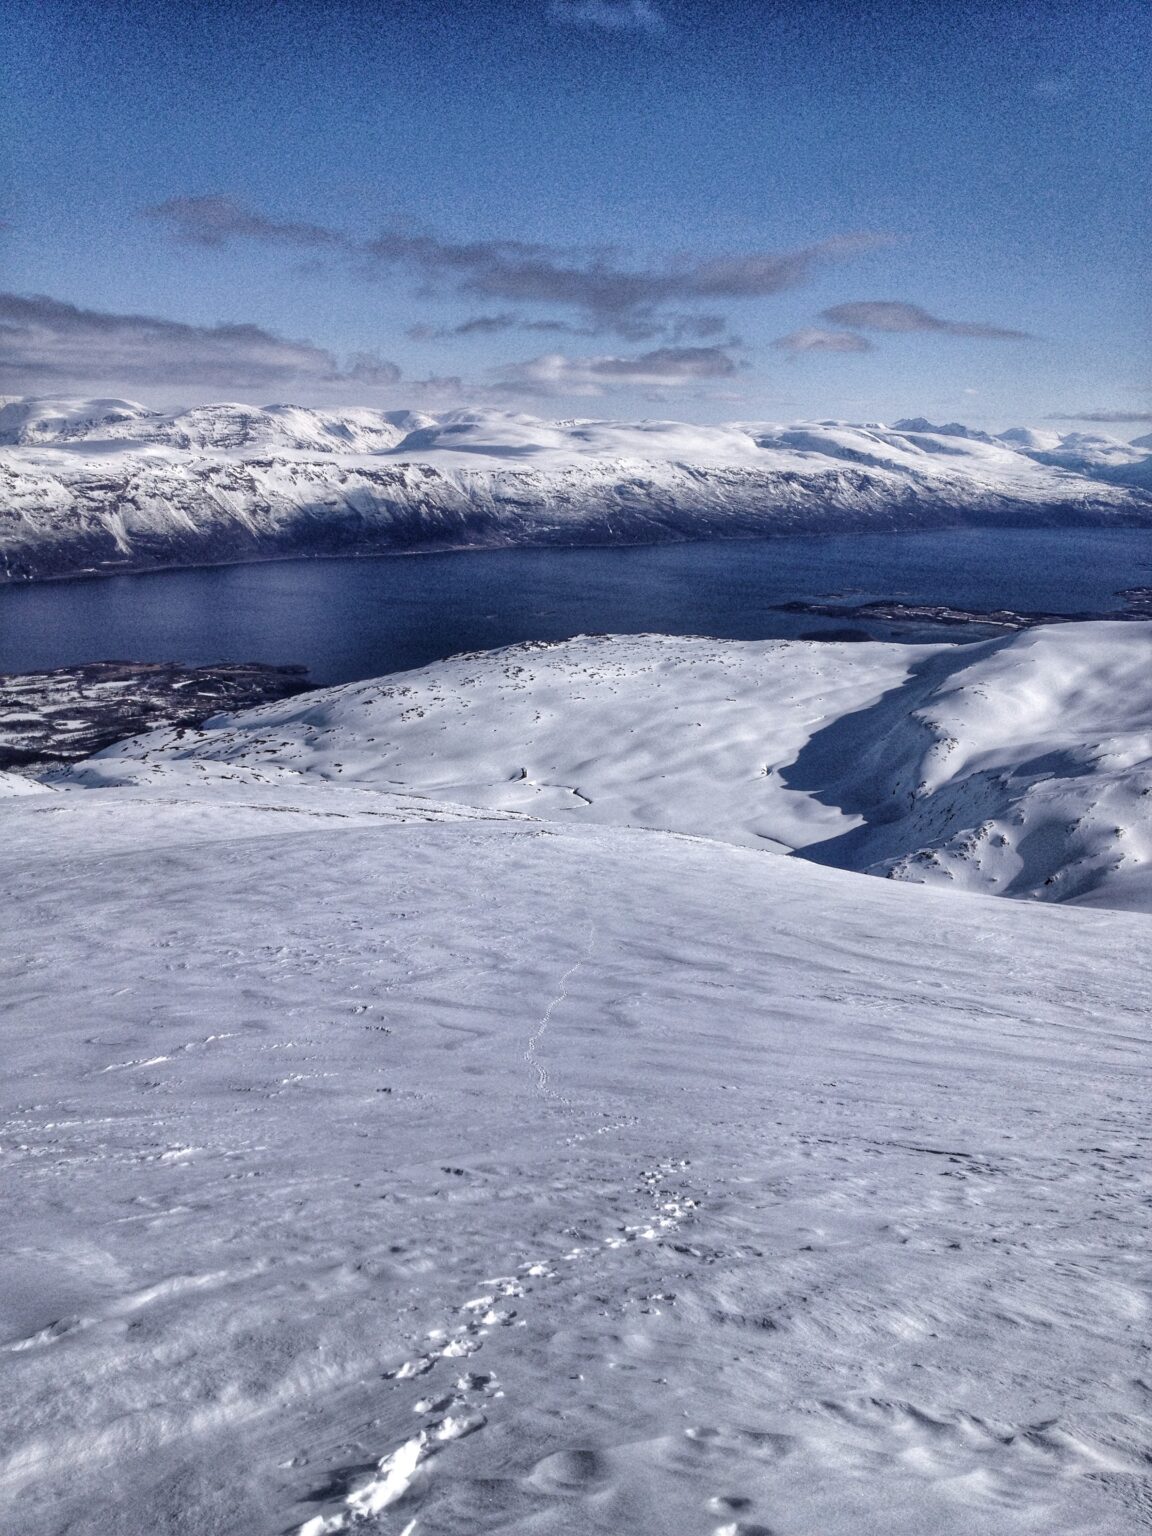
<point x="353" y="618"/>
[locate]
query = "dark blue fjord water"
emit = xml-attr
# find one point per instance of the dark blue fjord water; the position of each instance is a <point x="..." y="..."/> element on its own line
<point x="353" y="618"/>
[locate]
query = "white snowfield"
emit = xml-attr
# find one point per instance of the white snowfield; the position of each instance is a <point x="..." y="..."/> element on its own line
<point x="18" y="784"/>
<point x="376" y="1165"/>
<point x="1018" y="766"/>
<point x="108" y="484"/>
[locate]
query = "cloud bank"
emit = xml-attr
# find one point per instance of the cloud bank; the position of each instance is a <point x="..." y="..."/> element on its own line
<point x="45" y="342"/>
<point x="889" y="315"/>
<point x="631" y="301"/>
<point x="1104" y="418"/>
<point x="812" y="339"/>
<point x="608" y="15"/>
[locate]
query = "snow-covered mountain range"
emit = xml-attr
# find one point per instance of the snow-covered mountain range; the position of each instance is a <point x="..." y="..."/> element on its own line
<point x="107" y="484"/>
<point x="1019" y="766"/>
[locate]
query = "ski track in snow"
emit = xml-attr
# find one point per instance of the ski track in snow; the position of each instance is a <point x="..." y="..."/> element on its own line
<point x="532" y="1052"/>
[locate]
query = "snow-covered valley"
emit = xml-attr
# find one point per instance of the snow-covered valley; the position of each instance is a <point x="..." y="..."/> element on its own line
<point x="434" y="1106"/>
<point x="106" y="484"/>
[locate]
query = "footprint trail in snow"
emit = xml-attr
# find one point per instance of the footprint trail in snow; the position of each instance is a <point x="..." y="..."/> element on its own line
<point x="464" y="1409"/>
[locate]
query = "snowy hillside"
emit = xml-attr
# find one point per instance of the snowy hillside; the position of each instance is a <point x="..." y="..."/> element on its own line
<point x="224" y="426"/>
<point x="108" y="484"/>
<point x="377" y="1166"/>
<point x="18" y="784"/>
<point x="1020" y="766"/>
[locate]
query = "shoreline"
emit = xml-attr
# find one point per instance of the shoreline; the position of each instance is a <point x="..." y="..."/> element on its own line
<point x="1121" y="523"/>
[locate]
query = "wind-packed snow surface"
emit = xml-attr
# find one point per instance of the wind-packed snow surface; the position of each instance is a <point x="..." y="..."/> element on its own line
<point x="106" y="484"/>
<point x="1020" y="766"/>
<point x="373" y="1165"/>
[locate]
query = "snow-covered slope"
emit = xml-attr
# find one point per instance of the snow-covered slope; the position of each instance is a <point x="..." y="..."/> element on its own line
<point x="650" y="730"/>
<point x="375" y="1166"/>
<point x="18" y="784"/>
<point x="47" y="419"/>
<point x="1020" y="766"/>
<point x="107" y="484"/>
<point x="224" y="426"/>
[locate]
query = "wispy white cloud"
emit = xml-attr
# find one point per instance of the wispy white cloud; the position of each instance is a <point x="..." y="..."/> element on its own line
<point x="812" y="339"/>
<point x="674" y="328"/>
<point x="217" y="221"/>
<point x="554" y="373"/>
<point x="1054" y="87"/>
<point x="608" y="15"/>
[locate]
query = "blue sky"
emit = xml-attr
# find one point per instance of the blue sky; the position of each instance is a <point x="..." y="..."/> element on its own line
<point x="600" y="207"/>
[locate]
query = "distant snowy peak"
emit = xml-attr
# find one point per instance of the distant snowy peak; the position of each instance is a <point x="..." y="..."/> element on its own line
<point x="223" y="426"/>
<point x="100" y="485"/>
<point x="1026" y="439"/>
<point x="497" y="434"/>
<point x="949" y="429"/>
<point x="51" y="420"/>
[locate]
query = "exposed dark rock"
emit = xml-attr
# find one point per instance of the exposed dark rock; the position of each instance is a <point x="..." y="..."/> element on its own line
<point x="48" y="718"/>
<point x="1139" y="606"/>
